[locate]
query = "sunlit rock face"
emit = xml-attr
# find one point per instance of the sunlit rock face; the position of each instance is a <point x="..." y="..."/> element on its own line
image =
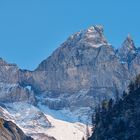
<point x="84" y="61"/>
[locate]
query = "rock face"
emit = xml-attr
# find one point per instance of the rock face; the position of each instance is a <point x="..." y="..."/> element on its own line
<point x="70" y="68"/>
<point x="120" y="122"/>
<point x="9" y="131"/>
<point x="84" y="61"/>
<point x="10" y="89"/>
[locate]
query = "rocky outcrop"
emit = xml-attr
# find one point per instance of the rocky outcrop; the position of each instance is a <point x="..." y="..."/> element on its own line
<point x="8" y="72"/>
<point x="10" y="88"/>
<point x="128" y="51"/>
<point x="9" y="131"/>
<point x="10" y="93"/>
<point x="56" y="104"/>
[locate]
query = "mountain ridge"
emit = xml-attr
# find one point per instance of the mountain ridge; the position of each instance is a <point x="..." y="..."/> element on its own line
<point x="76" y="78"/>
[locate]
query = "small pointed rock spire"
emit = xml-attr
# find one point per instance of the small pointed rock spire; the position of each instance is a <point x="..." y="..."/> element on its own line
<point x="129" y="43"/>
<point x="129" y="37"/>
<point x="128" y="50"/>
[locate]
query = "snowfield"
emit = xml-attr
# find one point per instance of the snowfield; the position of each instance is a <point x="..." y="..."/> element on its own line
<point x="62" y="130"/>
<point x="41" y="122"/>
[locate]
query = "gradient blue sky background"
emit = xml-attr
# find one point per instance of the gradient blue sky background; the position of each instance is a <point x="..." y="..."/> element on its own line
<point x="30" y="30"/>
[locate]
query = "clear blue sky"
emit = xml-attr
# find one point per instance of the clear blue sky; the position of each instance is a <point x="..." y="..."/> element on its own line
<point x="30" y="30"/>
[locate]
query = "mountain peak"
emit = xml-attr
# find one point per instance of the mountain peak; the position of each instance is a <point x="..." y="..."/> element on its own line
<point x="92" y="36"/>
<point x="129" y="43"/>
<point x="129" y="37"/>
<point x="128" y="50"/>
<point x="96" y="28"/>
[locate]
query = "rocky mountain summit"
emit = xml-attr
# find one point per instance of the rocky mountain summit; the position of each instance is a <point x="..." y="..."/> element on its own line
<point x="128" y="51"/>
<point x="78" y="76"/>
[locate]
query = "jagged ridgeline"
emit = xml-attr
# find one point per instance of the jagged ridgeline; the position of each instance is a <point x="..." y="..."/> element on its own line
<point x="119" y="120"/>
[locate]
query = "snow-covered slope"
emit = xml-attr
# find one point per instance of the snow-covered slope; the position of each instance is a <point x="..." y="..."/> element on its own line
<point x="63" y="130"/>
<point x="38" y="123"/>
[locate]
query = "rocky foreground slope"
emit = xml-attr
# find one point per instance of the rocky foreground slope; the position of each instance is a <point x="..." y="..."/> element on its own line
<point x="120" y="122"/>
<point x="9" y="131"/>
